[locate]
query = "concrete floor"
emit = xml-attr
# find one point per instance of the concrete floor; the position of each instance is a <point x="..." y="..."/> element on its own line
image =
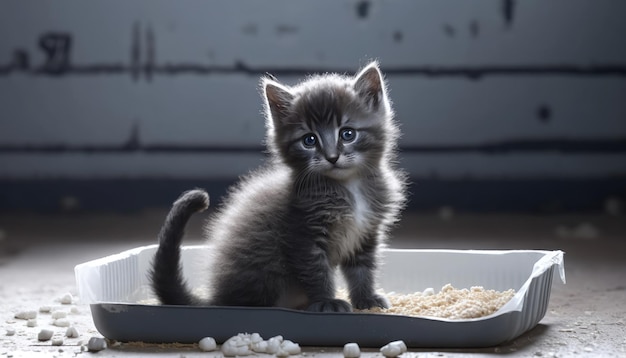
<point x="586" y="317"/>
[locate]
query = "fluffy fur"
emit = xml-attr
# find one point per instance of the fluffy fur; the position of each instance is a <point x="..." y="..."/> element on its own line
<point x="326" y="199"/>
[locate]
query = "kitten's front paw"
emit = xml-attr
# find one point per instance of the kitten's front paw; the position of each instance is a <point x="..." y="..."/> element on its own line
<point x="375" y="300"/>
<point x="330" y="305"/>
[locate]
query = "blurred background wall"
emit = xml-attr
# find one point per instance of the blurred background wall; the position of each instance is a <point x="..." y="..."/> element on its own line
<point x="505" y="106"/>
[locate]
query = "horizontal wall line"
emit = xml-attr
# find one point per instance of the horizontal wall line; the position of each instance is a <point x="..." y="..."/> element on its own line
<point x="147" y="71"/>
<point x="583" y="146"/>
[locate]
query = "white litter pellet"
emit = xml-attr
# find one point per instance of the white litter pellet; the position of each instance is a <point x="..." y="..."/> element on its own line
<point x="45" y="309"/>
<point x="10" y="332"/>
<point x="290" y="347"/>
<point x="273" y="345"/>
<point x="31" y="323"/>
<point x="96" y="344"/>
<point x="207" y="344"/>
<point x="26" y="315"/>
<point x="74" y="310"/>
<point x="71" y="332"/>
<point x="66" y="299"/>
<point x="58" y="314"/>
<point x="233" y="347"/>
<point x="259" y="347"/>
<point x="45" y="335"/>
<point x="256" y="338"/>
<point x="351" y="350"/>
<point x="429" y="291"/>
<point x="57" y="342"/>
<point x="62" y="322"/>
<point x="393" y="349"/>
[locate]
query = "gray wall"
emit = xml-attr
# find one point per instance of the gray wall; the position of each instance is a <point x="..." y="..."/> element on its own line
<point x="486" y="91"/>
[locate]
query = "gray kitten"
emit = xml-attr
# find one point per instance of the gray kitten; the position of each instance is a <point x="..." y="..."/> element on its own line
<point x="326" y="198"/>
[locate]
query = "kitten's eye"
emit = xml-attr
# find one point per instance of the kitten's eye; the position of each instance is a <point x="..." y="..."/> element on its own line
<point x="309" y="140"/>
<point x="348" y="134"/>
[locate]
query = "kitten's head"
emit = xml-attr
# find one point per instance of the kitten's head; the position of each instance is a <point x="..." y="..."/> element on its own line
<point x="330" y="125"/>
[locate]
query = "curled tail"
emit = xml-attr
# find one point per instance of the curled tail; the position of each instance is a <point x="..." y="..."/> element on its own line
<point x="166" y="275"/>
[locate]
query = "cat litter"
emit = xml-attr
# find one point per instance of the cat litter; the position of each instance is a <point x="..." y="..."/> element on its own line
<point x="72" y="332"/>
<point x="351" y="350"/>
<point x="66" y="299"/>
<point x="393" y="349"/>
<point x="207" y="344"/>
<point x="57" y="342"/>
<point x="45" y="335"/>
<point x="26" y="315"/>
<point x="45" y="309"/>
<point x="58" y="314"/>
<point x="31" y="323"/>
<point x="114" y="285"/>
<point x="10" y="332"/>
<point x="62" y="322"/>
<point x="96" y="344"/>
<point x="450" y="303"/>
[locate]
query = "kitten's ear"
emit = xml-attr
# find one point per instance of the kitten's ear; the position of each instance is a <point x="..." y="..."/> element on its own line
<point x="369" y="85"/>
<point x="278" y="99"/>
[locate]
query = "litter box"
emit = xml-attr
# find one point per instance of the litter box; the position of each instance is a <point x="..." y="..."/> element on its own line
<point x="115" y="286"/>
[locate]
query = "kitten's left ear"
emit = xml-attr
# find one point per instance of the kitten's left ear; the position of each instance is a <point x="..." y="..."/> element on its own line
<point x="369" y="85"/>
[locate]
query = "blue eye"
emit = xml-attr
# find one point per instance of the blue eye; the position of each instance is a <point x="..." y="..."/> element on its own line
<point x="309" y="140"/>
<point x="348" y="134"/>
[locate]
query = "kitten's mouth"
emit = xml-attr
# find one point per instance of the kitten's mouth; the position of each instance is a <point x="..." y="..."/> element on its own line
<point x="339" y="172"/>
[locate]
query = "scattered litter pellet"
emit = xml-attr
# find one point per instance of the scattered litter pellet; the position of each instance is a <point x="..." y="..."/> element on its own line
<point x="393" y="349"/>
<point x="96" y="344"/>
<point x="31" y="322"/>
<point x="26" y="315"/>
<point x="450" y="303"/>
<point x="58" y="314"/>
<point x="66" y="299"/>
<point x="351" y="350"/>
<point x="429" y="291"/>
<point x="74" y="310"/>
<point x="290" y="347"/>
<point x="57" y="342"/>
<point x="45" y="335"/>
<point x="246" y="344"/>
<point x="45" y="309"/>
<point x="259" y="347"/>
<point x="231" y="349"/>
<point x="273" y="344"/>
<point x="10" y="332"/>
<point x="71" y="332"/>
<point x="62" y="322"/>
<point x="207" y="344"/>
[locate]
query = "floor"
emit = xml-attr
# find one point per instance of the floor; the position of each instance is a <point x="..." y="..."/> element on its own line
<point x="586" y="317"/>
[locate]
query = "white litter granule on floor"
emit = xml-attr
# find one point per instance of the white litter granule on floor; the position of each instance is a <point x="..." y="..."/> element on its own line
<point x="58" y="314"/>
<point x="393" y="349"/>
<point x="66" y="299"/>
<point x="351" y="350"/>
<point x="44" y="335"/>
<point x="450" y="303"/>
<point x="207" y="344"/>
<point x="96" y="344"/>
<point x="26" y="315"/>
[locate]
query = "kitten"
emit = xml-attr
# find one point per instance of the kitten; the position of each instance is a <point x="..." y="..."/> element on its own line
<point x="326" y="198"/>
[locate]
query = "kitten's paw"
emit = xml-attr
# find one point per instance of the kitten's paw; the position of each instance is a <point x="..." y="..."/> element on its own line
<point x="330" y="305"/>
<point x="375" y="300"/>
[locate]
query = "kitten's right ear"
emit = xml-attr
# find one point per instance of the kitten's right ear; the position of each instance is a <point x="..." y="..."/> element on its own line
<point x="278" y="99"/>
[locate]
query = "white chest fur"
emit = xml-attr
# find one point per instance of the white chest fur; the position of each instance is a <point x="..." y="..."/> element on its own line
<point x="354" y="226"/>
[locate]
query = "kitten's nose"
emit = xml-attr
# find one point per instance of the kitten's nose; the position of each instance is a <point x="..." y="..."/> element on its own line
<point x="332" y="158"/>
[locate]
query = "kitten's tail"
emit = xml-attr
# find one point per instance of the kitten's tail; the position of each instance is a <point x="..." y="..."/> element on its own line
<point x="166" y="275"/>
